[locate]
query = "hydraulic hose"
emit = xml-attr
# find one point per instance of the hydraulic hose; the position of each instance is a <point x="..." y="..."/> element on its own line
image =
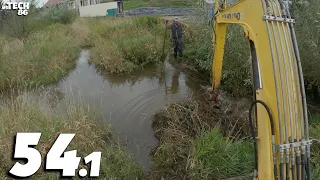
<point x="255" y="141"/>
<point x="281" y="171"/>
<point x="298" y="167"/>
<point x="303" y="157"/>
<point x="308" y="169"/>
<point x="287" y="171"/>
<point x="293" y="171"/>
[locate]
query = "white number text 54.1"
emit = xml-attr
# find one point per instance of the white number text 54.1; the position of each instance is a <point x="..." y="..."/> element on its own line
<point x="68" y="163"/>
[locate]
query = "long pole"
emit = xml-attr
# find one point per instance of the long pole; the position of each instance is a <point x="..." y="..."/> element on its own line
<point x="164" y="40"/>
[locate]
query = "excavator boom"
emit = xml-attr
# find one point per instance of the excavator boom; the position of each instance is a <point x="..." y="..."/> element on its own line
<point x="282" y="145"/>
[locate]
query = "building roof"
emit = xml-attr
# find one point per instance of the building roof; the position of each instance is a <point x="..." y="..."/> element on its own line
<point x="51" y="3"/>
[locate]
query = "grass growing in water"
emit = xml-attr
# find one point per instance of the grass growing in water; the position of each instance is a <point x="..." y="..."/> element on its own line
<point x="26" y="114"/>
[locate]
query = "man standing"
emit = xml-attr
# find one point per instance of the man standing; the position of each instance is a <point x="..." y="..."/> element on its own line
<point x="177" y="35"/>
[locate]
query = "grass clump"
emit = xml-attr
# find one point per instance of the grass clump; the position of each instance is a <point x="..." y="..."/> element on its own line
<point x="124" y="45"/>
<point x="43" y="58"/>
<point x="27" y="114"/>
<point x="217" y="157"/>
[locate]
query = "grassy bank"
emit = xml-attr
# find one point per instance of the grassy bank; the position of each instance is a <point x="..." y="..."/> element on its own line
<point x="27" y="114"/>
<point x="49" y="51"/>
<point x="197" y="141"/>
<point x="37" y="49"/>
<point x="132" y="4"/>
<point x="122" y="45"/>
<point x="44" y="58"/>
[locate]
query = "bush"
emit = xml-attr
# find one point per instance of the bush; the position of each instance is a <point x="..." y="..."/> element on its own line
<point x="61" y="14"/>
<point x="307" y="14"/>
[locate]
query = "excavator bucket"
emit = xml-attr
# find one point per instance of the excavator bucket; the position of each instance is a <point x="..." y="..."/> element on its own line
<point x="282" y="145"/>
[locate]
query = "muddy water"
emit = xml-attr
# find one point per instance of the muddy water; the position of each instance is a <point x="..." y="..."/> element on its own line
<point x="128" y="102"/>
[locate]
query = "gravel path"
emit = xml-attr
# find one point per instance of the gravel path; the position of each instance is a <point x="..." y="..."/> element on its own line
<point x="161" y="11"/>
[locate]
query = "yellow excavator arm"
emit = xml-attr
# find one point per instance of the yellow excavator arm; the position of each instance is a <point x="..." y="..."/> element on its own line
<point x="282" y="144"/>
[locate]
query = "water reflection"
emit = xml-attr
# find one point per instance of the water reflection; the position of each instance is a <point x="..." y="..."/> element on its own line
<point x="175" y="82"/>
<point x="128" y="102"/>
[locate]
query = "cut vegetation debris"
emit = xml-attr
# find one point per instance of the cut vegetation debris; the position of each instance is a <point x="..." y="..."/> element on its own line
<point x="192" y="146"/>
<point x="27" y="114"/>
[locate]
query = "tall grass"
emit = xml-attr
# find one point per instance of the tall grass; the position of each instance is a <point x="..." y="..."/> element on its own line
<point x="37" y="49"/>
<point x="217" y="157"/>
<point x="43" y="58"/>
<point x="28" y="114"/>
<point x="123" y="45"/>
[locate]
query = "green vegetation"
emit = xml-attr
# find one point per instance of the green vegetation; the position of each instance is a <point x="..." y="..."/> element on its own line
<point x="132" y="4"/>
<point x="307" y="14"/>
<point x="27" y="114"/>
<point x="42" y="51"/>
<point x="236" y="78"/>
<point x="42" y="47"/>
<point x="37" y="49"/>
<point x="192" y="145"/>
<point x="236" y="75"/>
<point x="44" y="58"/>
<point x="197" y="141"/>
<point x="315" y="151"/>
<point x="122" y="45"/>
<point x="227" y="159"/>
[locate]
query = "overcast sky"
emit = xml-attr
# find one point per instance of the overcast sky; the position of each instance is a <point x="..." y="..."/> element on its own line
<point x="40" y="3"/>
